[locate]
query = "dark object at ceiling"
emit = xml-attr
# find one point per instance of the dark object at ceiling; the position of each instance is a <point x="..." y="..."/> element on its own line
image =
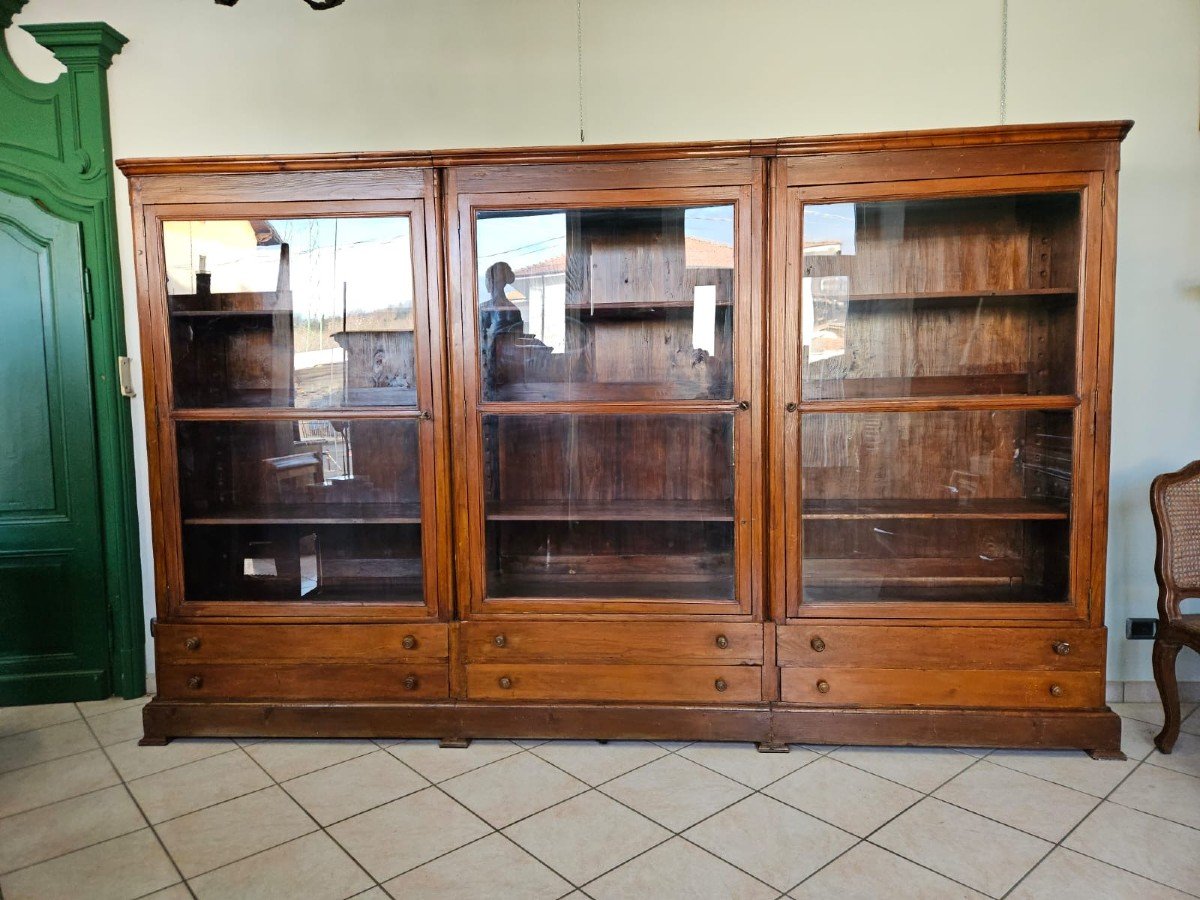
<point x="315" y="4"/>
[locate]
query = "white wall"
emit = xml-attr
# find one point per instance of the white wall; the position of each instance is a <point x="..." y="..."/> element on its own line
<point x="270" y="76"/>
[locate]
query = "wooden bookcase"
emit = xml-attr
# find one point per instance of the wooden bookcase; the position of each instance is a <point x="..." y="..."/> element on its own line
<point x="789" y="441"/>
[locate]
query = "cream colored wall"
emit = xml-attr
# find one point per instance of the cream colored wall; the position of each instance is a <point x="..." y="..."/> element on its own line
<point x="270" y="76"/>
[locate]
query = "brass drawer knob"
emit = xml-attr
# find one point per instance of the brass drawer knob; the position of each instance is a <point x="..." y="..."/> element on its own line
<point x="410" y="683"/>
<point x="499" y="640"/>
<point x="409" y="642"/>
<point x="195" y="682"/>
<point x="792" y="406"/>
<point x="817" y="644"/>
<point x="722" y="642"/>
<point x="1056" y="690"/>
<point x="720" y="685"/>
<point x="1062" y="648"/>
<point x="505" y="682"/>
<point x="192" y="644"/>
<point x="823" y="686"/>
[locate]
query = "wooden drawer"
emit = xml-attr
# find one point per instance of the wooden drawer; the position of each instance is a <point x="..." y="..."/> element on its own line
<point x="253" y="644"/>
<point x="665" y="684"/>
<point x="711" y="643"/>
<point x="918" y="647"/>
<point x="303" y="681"/>
<point x="923" y="687"/>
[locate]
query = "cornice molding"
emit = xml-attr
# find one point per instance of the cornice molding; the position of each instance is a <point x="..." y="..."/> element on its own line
<point x="76" y="44"/>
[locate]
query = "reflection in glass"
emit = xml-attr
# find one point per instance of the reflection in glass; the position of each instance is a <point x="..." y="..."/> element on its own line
<point x="936" y="506"/>
<point x="303" y="313"/>
<point x="630" y="303"/>
<point x="906" y="298"/>
<point x="609" y="507"/>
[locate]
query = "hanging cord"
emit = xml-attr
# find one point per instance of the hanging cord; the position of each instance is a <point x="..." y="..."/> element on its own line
<point x="1003" y="61"/>
<point x="579" y="59"/>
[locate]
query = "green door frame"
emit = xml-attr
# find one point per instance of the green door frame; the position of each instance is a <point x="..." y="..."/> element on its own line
<point x="56" y="147"/>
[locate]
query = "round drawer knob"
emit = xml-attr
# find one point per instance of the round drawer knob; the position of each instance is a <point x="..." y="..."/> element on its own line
<point x="410" y="683"/>
<point x="195" y="682"/>
<point x="1056" y="690"/>
<point x="792" y="406"/>
<point x="506" y="682"/>
<point x="817" y="644"/>
<point x="1062" y="648"/>
<point x="720" y="685"/>
<point x="722" y="642"/>
<point x="409" y="642"/>
<point x="823" y="686"/>
<point x="499" y="640"/>
<point x="192" y="644"/>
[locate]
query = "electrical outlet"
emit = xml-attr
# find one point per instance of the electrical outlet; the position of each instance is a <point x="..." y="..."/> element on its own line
<point x="1141" y="629"/>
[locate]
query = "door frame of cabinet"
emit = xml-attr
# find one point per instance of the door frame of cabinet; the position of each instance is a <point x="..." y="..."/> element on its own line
<point x="684" y="182"/>
<point x="410" y="193"/>
<point x="788" y="406"/>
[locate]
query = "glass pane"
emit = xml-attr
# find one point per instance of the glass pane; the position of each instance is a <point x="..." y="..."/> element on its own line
<point x="908" y="298"/>
<point x="313" y="510"/>
<point x="936" y="506"/>
<point x="304" y="313"/>
<point x="609" y="507"/>
<point x="606" y="304"/>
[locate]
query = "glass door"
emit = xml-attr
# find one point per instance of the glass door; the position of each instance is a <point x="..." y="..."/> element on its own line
<point x="940" y="402"/>
<point x="609" y="411"/>
<point x="299" y="411"/>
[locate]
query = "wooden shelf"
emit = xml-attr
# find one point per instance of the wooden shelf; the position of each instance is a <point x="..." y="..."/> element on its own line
<point x="1006" y="384"/>
<point x="228" y="313"/>
<point x="616" y="392"/>
<point x="626" y="588"/>
<point x="911" y="570"/>
<point x="1021" y="509"/>
<point x="234" y="303"/>
<point x="999" y="594"/>
<point x="611" y="511"/>
<point x="315" y="514"/>
<point x="600" y="309"/>
<point x="1015" y="293"/>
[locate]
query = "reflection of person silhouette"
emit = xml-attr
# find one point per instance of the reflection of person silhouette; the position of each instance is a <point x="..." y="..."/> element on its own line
<point x="501" y="328"/>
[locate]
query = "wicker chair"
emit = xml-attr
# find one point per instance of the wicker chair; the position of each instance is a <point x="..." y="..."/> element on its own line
<point x="1175" y="501"/>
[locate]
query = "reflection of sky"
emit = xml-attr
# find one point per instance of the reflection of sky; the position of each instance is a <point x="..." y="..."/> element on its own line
<point x="829" y="223"/>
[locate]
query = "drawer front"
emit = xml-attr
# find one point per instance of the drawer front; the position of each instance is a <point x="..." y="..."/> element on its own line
<point x="953" y="688"/>
<point x="894" y="646"/>
<point x="312" y="681"/>
<point x="253" y="644"/>
<point x="653" y="684"/>
<point x="614" y="642"/>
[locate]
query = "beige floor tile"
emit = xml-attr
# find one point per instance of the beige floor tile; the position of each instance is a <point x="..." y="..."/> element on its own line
<point x="673" y="745"/>
<point x="1184" y="756"/>
<point x="586" y="836"/>
<point x="772" y="842"/>
<point x="1014" y="798"/>
<point x="1164" y="793"/>
<point x="743" y="763"/>
<point x="174" y="892"/>
<point x="868" y="872"/>
<point x="115" y="727"/>
<point x="194" y="786"/>
<point x="312" y="867"/>
<point x="515" y="787"/>
<point x="410" y="831"/>
<point x="133" y="761"/>
<point x="1147" y="712"/>
<point x="850" y="798"/>
<point x="920" y="768"/>
<point x="597" y="763"/>
<point x="64" y="827"/>
<point x="1070" y="768"/>
<point x="45" y="744"/>
<point x="15" y="719"/>
<point x="493" y="868"/>
<point x="125" y="867"/>
<point x="50" y="782"/>
<point x="221" y="834"/>
<point x="344" y="790"/>
<point x="675" y="792"/>
<point x="1191" y="724"/>
<point x="99" y="707"/>
<point x="678" y="870"/>
<point x="1137" y="738"/>
<point x="1067" y="875"/>
<point x="438" y="764"/>
<point x="291" y="759"/>
<point x="970" y="849"/>
<point x="1140" y="843"/>
<point x="375" y="893"/>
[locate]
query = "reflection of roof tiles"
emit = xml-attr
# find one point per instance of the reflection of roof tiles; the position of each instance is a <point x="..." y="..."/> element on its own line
<point x="698" y="254"/>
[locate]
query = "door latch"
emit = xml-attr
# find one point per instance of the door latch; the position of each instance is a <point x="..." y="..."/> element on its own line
<point x="125" y="376"/>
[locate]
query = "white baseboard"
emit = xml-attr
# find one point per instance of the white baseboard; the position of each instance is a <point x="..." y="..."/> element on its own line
<point x="1147" y="692"/>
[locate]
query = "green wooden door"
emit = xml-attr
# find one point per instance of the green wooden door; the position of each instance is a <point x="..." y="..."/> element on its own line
<point x="53" y="621"/>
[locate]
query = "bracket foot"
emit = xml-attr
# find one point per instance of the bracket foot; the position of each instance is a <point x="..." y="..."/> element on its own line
<point x="1107" y="754"/>
<point x="454" y="743"/>
<point x="772" y="747"/>
<point x="150" y="740"/>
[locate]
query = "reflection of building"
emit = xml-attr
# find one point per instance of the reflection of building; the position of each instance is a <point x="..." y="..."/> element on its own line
<point x="823" y="300"/>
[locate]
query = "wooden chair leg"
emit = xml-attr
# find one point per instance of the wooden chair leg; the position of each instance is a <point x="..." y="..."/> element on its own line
<point x="1165" y="654"/>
